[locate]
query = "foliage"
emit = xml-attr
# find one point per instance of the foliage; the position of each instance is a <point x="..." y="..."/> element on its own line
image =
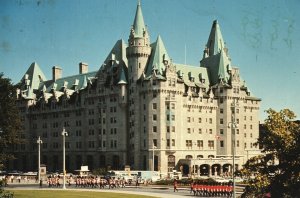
<point x="278" y="170"/>
<point x="10" y="123"/>
<point x="99" y="171"/>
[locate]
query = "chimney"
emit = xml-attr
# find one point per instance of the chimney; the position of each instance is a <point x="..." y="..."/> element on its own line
<point x="83" y="68"/>
<point x="56" y="73"/>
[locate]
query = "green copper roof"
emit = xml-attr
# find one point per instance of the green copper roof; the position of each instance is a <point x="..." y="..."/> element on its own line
<point x="215" y="41"/>
<point x="122" y="78"/>
<point x="188" y="71"/>
<point x="217" y="62"/>
<point x="218" y="67"/>
<point x="158" y="55"/>
<point x="75" y="82"/>
<point x="35" y="75"/>
<point x="139" y="24"/>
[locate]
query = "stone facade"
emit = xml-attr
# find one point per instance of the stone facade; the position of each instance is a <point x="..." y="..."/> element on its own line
<point x="141" y="109"/>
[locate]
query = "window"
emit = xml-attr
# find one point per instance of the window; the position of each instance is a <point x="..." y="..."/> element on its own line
<point x="210" y="131"/>
<point x="173" y="117"/>
<point x="188" y="119"/>
<point x="173" y="142"/>
<point x="188" y="143"/>
<point x="221" y="111"/>
<point x="168" y="117"/>
<point x="200" y="143"/>
<point x="245" y="145"/>
<point x="199" y="120"/>
<point x="237" y="143"/>
<point x="78" y="145"/>
<point x="172" y="105"/>
<point x="154" y="117"/>
<point x="168" y="106"/>
<point x="200" y="131"/>
<point x="221" y="100"/>
<point x="154" y="106"/>
<point x="168" y="129"/>
<point x="245" y="134"/>
<point x="173" y="129"/>
<point x="189" y="130"/>
<point x="155" y="142"/>
<point x="211" y="144"/>
<point x="154" y="129"/>
<point x="221" y="143"/>
<point x="210" y="120"/>
<point x="221" y="131"/>
<point x="168" y="142"/>
<point x="221" y="121"/>
<point x="250" y="126"/>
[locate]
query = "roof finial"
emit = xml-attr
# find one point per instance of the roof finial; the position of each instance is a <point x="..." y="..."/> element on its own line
<point x="139" y="2"/>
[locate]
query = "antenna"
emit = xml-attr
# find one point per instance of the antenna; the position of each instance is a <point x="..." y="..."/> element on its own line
<point x="185" y="54"/>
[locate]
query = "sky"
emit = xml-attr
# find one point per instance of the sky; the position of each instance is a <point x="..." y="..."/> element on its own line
<point x="263" y="37"/>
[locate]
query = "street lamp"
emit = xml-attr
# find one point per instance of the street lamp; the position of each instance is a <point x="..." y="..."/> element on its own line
<point x="39" y="142"/>
<point x="233" y="125"/>
<point x="64" y="134"/>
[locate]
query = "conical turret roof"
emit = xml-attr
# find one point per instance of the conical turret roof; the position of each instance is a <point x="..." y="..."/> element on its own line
<point x="139" y="24"/>
<point x="215" y="41"/>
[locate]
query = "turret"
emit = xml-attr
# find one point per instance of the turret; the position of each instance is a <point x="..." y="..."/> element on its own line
<point x="139" y="46"/>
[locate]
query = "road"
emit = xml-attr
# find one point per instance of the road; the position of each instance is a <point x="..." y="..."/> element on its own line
<point x="157" y="191"/>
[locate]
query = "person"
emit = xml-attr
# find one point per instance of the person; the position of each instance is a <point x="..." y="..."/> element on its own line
<point x="175" y="185"/>
<point x="41" y="183"/>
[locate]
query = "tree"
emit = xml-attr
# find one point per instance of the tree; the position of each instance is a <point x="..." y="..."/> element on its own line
<point x="277" y="170"/>
<point x="10" y="123"/>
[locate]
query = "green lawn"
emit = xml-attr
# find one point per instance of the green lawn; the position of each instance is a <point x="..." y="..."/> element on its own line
<point x="70" y="194"/>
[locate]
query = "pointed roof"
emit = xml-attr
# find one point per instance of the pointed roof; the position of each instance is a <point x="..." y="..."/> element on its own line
<point x="224" y="67"/>
<point x="35" y="75"/>
<point x="139" y="24"/>
<point x="158" y="55"/>
<point x="122" y="78"/>
<point x="215" y="41"/>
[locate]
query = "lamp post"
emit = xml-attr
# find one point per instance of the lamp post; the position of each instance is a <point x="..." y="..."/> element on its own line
<point x="64" y="134"/>
<point x="39" y="142"/>
<point x="233" y="124"/>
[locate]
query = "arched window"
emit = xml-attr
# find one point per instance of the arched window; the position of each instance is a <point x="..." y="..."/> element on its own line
<point x="211" y="156"/>
<point x="199" y="156"/>
<point x="188" y="157"/>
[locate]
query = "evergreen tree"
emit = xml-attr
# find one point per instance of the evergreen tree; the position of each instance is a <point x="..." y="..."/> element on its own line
<point x="277" y="170"/>
<point x="10" y="123"/>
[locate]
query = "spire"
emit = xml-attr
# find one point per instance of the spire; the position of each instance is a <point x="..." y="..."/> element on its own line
<point x="139" y="24"/>
<point x="159" y="57"/>
<point x="215" y="41"/>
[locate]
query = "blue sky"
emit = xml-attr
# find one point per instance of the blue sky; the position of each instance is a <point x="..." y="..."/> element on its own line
<point x="263" y="37"/>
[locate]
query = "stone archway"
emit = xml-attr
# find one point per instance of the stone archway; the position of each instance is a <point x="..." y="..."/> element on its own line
<point x="216" y="169"/>
<point x="185" y="169"/>
<point x="204" y="170"/>
<point x="227" y="169"/>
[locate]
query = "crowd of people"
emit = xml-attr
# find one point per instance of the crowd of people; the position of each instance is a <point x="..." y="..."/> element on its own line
<point x="89" y="182"/>
<point x="212" y="190"/>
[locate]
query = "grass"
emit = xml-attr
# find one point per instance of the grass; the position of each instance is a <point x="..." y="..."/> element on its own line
<point x="70" y="194"/>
